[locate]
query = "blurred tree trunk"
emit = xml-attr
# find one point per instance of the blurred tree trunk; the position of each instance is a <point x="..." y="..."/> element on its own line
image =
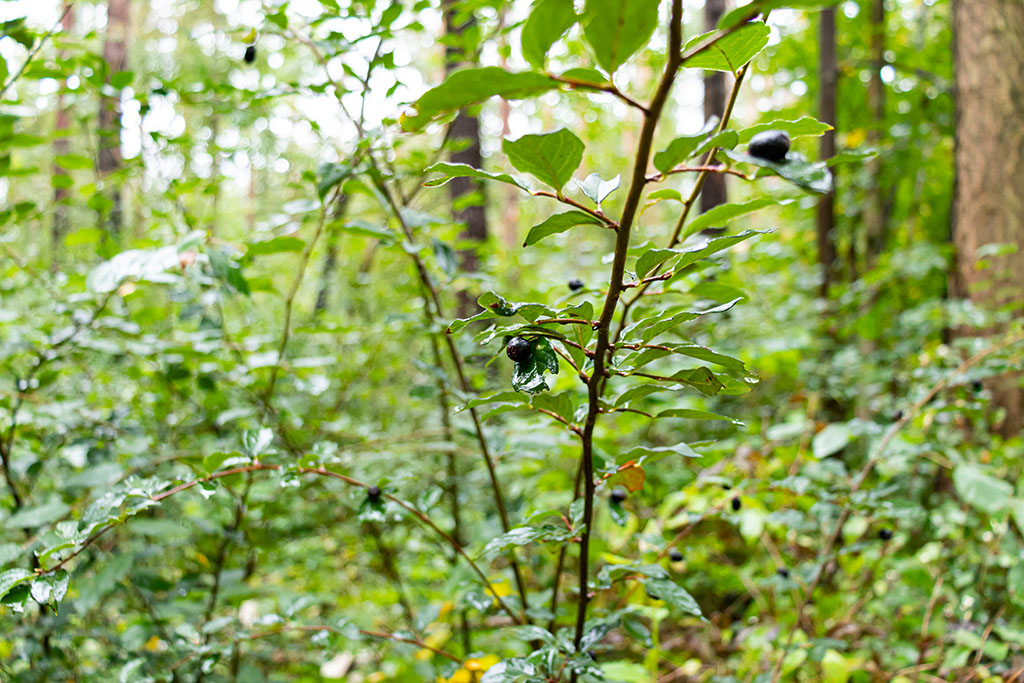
<point x="464" y="139"/>
<point x="61" y="147"/>
<point x="115" y="54"/>
<point x="828" y="82"/>
<point x="874" y="209"/>
<point x="714" y="191"/>
<point x="988" y="205"/>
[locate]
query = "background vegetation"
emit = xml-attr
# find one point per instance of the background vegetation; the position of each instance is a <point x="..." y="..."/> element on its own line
<point x="242" y="440"/>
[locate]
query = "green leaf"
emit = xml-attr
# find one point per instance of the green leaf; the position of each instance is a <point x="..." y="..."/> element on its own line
<point x="470" y="86"/>
<point x="720" y="215"/>
<point x="980" y="490"/>
<point x="227" y="270"/>
<point x="811" y="176"/>
<point x="560" y="222"/>
<point x="552" y="158"/>
<point x="682" y="148"/>
<point x="615" y="29"/>
<point x="596" y="189"/>
<point x="667" y="590"/>
<point x="651" y="259"/>
<point x="50" y="588"/>
<point x="627" y="672"/>
<point x="832" y="439"/>
<point x="548" y="20"/>
<point x="525" y="535"/>
<point x="39" y="515"/>
<point x="135" y="263"/>
<point x="714" y="245"/>
<point x="12" y="577"/>
<point x="587" y="76"/>
<point x="329" y="175"/>
<point x="446" y="257"/>
<point x="647" y="454"/>
<point x="730" y="52"/>
<point x="695" y="414"/>
<point x="275" y="245"/>
<point x="805" y="126"/>
<point x="73" y="162"/>
<point x="450" y="171"/>
<point x="514" y="670"/>
<point x="528" y="375"/>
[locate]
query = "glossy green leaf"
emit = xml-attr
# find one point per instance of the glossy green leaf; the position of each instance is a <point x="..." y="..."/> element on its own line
<point x="730" y="52"/>
<point x="559" y="222"/>
<point x="471" y="86"/>
<point x="615" y="29"/>
<point x="548" y="20"/>
<point x="450" y="171"/>
<point x="811" y="176"/>
<point x="552" y="158"/>
<point x="673" y="594"/>
<point x="980" y="489"/>
<point x="805" y="126"/>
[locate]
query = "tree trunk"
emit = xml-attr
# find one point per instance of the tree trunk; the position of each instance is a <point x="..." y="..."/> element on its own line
<point x="61" y="147"/>
<point x="464" y="138"/>
<point x="115" y="54"/>
<point x="874" y="210"/>
<point x="714" y="191"/>
<point x="828" y="81"/>
<point x="988" y="205"/>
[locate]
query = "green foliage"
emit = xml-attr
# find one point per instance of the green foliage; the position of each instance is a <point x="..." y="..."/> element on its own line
<point x="242" y="433"/>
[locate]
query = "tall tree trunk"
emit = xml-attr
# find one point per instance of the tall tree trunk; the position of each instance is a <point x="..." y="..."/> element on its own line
<point x="828" y="82"/>
<point x="988" y="205"/>
<point x="115" y="54"/>
<point x="464" y="137"/>
<point x="61" y="147"/>
<point x="714" y="191"/>
<point x="874" y="210"/>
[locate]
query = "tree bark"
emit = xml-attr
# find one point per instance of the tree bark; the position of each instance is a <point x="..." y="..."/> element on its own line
<point x="828" y="82"/>
<point x="874" y="210"/>
<point x="115" y="54"/>
<point x="988" y="205"/>
<point x="59" y="228"/>
<point x="714" y="191"/>
<point x="464" y="138"/>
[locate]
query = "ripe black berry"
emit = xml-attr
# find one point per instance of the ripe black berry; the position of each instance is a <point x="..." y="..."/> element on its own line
<point x="885" y="534"/>
<point x="736" y="504"/>
<point x="373" y="493"/>
<point x="575" y="284"/>
<point x="772" y="145"/>
<point x="618" y="495"/>
<point x="518" y="349"/>
<point x="977" y="386"/>
<point x="783" y="572"/>
<point x="675" y="555"/>
<point x="250" y="54"/>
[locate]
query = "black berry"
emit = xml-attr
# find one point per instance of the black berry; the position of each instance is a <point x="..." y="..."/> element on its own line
<point x="575" y="284"/>
<point x="885" y="534"/>
<point x="783" y="572"/>
<point x="373" y="493"/>
<point x="618" y="495"/>
<point x="772" y="145"/>
<point x="675" y="555"/>
<point x="977" y="386"/>
<point x="250" y="54"/>
<point x="518" y="349"/>
<point x="736" y="504"/>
